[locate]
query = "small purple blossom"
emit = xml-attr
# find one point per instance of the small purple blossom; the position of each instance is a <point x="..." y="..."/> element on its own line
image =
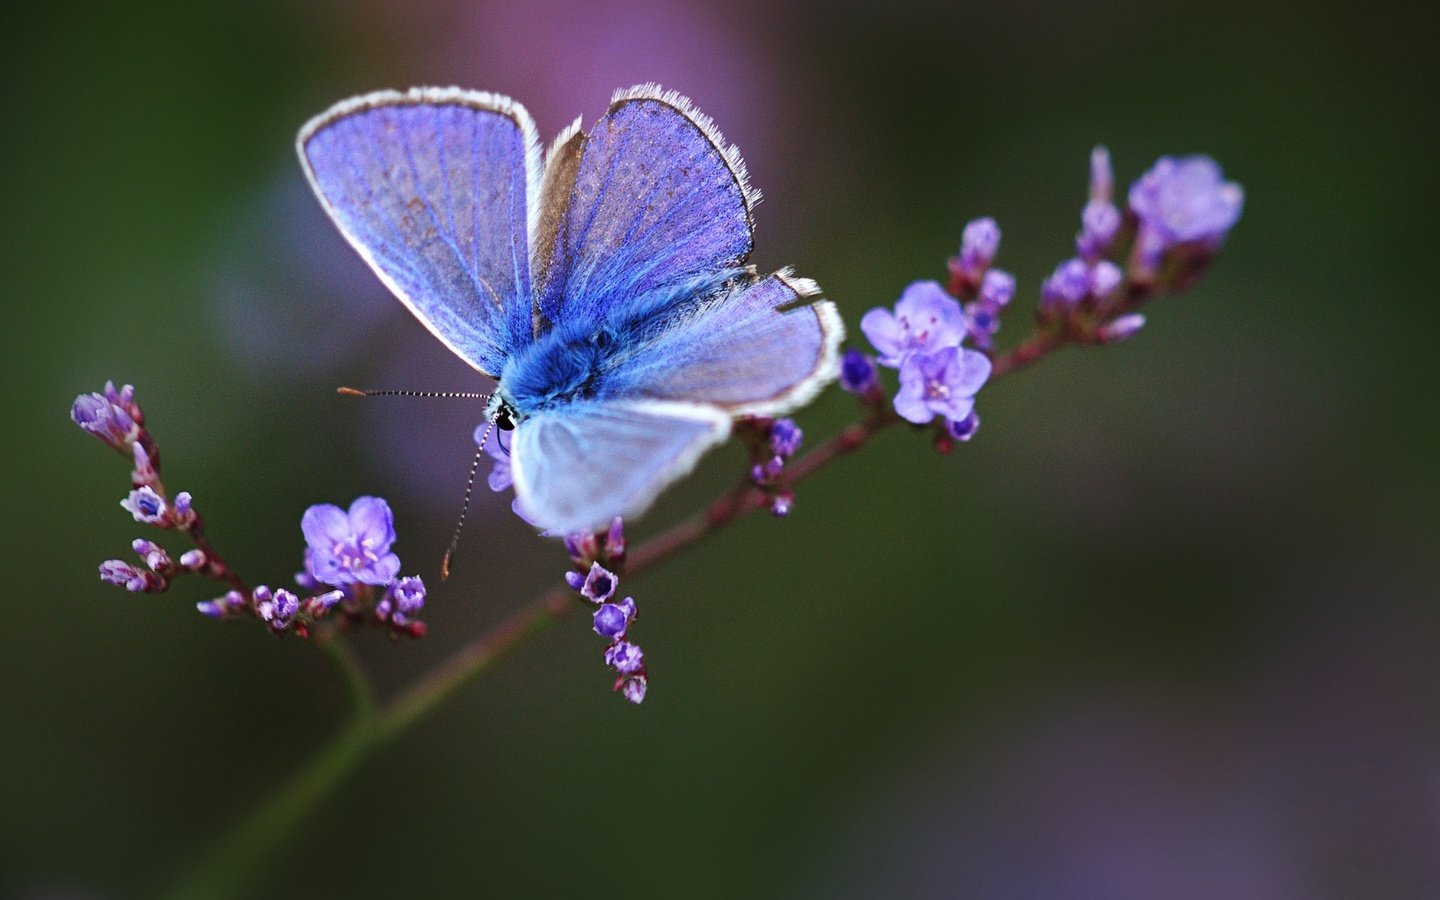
<point x="498" y="448"/>
<point x="1183" y="201"/>
<point x="278" y="609"/>
<point x="193" y="559"/>
<point x="926" y="318"/>
<point x="625" y="657"/>
<point x="857" y="372"/>
<point x="785" y="438"/>
<point x="979" y="243"/>
<point x="1105" y="279"/>
<point x="408" y="597"/>
<point x="1100" y="222"/>
<point x="349" y="547"/>
<point x="963" y="429"/>
<point x="611" y="620"/>
<point x="146" y="506"/>
<point x="1120" y="329"/>
<point x="233" y="603"/>
<point x="110" y="416"/>
<point x="118" y="572"/>
<point x="1066" y="287"/>
<point x="145" y="472"/>
<point x="597" y="586"/>
<point x="633" y="688"/>
<point x="941" y="383"/>
<point x="997" y="288"/>
<point x="154" y="555"/>
<point x="323" y="603"/>
<point x="615" y="542"/>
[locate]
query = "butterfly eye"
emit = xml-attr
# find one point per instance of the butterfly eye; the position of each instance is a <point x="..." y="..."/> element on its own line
<point x="503" y="420"/>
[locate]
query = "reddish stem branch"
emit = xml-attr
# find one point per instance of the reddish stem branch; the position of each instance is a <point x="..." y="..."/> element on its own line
<point x="739" y="502"/>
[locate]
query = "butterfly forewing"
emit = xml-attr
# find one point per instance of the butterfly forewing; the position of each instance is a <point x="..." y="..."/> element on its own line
<point x="432" y="187"/>
<point x="650" y="196"/>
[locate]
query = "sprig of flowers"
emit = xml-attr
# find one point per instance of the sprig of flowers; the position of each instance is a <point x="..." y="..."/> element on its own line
<point x="348" y="563"/>
<point x="597" y="559"/>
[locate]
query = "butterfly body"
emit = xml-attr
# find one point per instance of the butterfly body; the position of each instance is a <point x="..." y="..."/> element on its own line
<point x="606" y="289"/>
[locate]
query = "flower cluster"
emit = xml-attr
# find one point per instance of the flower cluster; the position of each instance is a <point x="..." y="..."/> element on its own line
<point x="349" y="552"/>
<point x="597" y="558"/>
<point x="347" y="562"/>
<point x="771" y="442"/>
<point x="923" y="338"/>
<point x="1176" y="219"/>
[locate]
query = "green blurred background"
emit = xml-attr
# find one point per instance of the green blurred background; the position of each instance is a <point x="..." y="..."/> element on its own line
<point x="1167" y="628"/>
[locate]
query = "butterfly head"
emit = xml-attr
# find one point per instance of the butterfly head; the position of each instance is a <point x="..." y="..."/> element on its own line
<point x="500" y="411"/>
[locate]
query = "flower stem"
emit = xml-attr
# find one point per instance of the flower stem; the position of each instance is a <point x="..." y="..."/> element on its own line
<point x="362" y="693"/>
<point x="225" y="870"/>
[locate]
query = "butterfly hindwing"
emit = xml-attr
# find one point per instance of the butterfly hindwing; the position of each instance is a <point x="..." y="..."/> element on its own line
<point x="762" y="348"/>
<point x="577" y="466"/>
<point x="650" y="196"/>
<point x="433" y="188"/>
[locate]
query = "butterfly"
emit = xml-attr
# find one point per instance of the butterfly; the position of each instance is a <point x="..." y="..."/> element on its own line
<point x="603" y="283"/>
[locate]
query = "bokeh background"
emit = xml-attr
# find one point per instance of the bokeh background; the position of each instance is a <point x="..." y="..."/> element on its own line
<point x="1167" y="629"/>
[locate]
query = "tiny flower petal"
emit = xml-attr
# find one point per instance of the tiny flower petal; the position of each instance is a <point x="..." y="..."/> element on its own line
<point x="978" y="245"/>
<point x="785" y="437"/>
<point x="625" y="657"/>
<point x="610" y="621"/>
<point x="599" y="584"/>
<point x="925" y="318"/>
<point x="633" y="688"/>
<point x="146" y="506"/>
<point x="857" y="372"/>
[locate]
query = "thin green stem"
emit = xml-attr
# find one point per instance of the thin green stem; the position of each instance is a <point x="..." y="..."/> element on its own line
<point x="362" y="693"/>
<point x="225" y="871"/>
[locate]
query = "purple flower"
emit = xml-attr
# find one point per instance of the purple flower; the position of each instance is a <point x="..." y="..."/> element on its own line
<point x="154" y="555"/>
<point x="941" y="383"/>
<point x="408" y="595"/>
<point x="925" y="319"/>
<point x="1105" y="279"/>
<point x="108" y="416"/>
<point x="231" y="604"/>
<point x="597" y="586"/>
<point x="1099" y="223"/>
<point x="146" y="506"/>
<point x="351" y="547"/>
<point x="633" y="688"/>
<point x="119" y="572"/>
<point x="193" y="559"/>
<point x="611" y="619"/>
<point x="978" y="245"/>
<point x="498" y="446"/>
<point x="996" y="289"/>
<point x="1066" y="287"/>
<point x="145" y="472"/>
<point x="1183" y="201"/>
<point x="785" y="437"/>
<point x="857" y="372"/>
<point x="278" y="609"/>
<point x="625" y="657"/>
<point x="963" y="429"/>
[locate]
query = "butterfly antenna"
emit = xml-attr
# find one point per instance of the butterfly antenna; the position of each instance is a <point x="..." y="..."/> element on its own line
<point x="452" y="395"/>
<point x="465" y="507"/>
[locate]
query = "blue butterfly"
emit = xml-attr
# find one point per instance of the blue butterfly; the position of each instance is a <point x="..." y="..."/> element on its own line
<point x="603" y="283"/>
